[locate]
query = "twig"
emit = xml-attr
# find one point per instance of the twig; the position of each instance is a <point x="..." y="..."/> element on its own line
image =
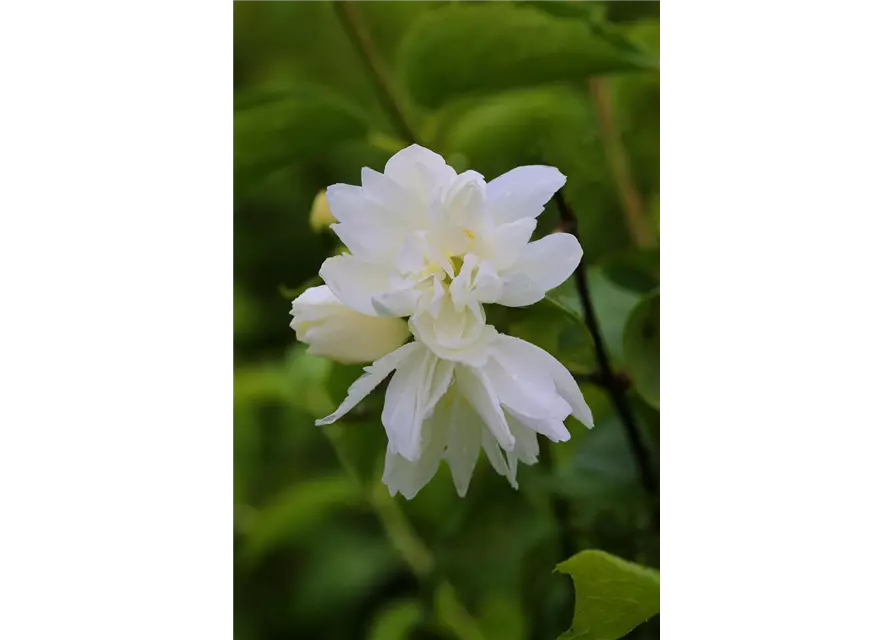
<point x="619" y="162"/>
<point x="614" y="387"/>
<point x="362" y="42"/>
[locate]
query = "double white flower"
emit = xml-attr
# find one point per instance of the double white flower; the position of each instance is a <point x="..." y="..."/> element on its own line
<point x="434" y="246"/>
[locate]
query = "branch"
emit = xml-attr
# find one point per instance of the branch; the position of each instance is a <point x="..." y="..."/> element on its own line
<point x="619" y="162"/>
<point x="612" y="383"/>
<point x="362" y="43"/>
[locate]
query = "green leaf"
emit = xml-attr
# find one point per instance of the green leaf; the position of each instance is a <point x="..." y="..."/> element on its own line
<point x="396" y="621"/>
<point x="274" y="129"/>
<point x="466" y="49"/>
<point x="632" y="11"/>
<point x="613" y="304"/>
<point x="297" y="511"/>
<point x="637" y="271"/>
<point x="641" y="347"/>
<point x="613" y="596"/>
<point x="562" y="8"/>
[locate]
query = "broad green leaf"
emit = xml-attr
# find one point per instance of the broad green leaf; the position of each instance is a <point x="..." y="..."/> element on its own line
<point x="272" y="130"/>
<point x="632" y="11"/>
<point x="470" y="49"/>
<point x="296" y="511"/>
<point x="641" y="347"/>
<point x="396" y="621"/>
<point x="499" y="132"/>
<point x="563" y="8"/>
<point x="637" y="271"/>
<point x="613" y="304"/>
<point x="613" y="596"/>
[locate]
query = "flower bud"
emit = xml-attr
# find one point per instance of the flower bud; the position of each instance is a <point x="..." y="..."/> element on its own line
<point x="320" y="213"/>
<point x="334" y="330"/>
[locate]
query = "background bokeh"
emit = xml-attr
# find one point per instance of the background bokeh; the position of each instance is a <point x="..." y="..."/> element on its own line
<point x="321" y="550"/>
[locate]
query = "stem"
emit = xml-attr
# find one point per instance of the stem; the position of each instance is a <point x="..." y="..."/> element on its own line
<point x="619" y="163"/>
<point x="362" y="43"/>
<point x="615" y="388"/>
<point x="408" y="543"/>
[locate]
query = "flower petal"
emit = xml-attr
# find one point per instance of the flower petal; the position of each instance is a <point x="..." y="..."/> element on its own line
<point x="419" y="170"/>
<point x="522" y="192"/>
<point x="408" y="477"/>
<point x="512" y="350"/>
<point x="524" y="388"/>
<point x="334" y="330"/>
<point x="464" y="427"/>
<point x="399" y="204"/>
<point x="542" y="265"/>
<point x="472" y="383"/>
<point x="354" y="281"/>
<point x="497" y="458"/>
<point x="506" y="242"/>
<point x="375" y="373"/>
<point x="417" y="386"/>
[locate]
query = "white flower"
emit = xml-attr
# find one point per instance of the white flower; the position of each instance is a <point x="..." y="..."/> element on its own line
<point x="434" y="246"/>
<point x="334" y="330"/>
<point x="419" y="232"/>
<point x="441" y="409"/>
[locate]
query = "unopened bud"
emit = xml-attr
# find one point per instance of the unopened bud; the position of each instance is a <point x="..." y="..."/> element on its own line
<point x="320" y="213"/>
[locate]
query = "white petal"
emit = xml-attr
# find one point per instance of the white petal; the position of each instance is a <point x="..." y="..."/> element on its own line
<point x="355" y="281"/>
<point x="347" y="203"/>
<point x="464" y="427"/>
<point x="408" y="477"/>
<point x="418" y="169"/>
<point x="463" y="203"/>
<point x="526" y="447"/>
<point x="398" y="203"/>
<point x="419" y="383"/>
<point x="403" y="405"/>
<point x="487" y="283"/>
<point x="552" y="428"/>
<point x="375" y="373"/>
<point x="496" y="457"/>
<point x="522" y="192"/>
<point x="473" y="384"/>
<point x="334" y="330"/>
<point x="542" y="265"/>
<point x="397" y="304"/>
<point x="525" y="389"/>
<point x="506" y="242"/>
<point x="565" y="385"/>
<point x="353" y="339"/>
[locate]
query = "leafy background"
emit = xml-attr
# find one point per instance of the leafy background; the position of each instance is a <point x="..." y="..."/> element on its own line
<point x="321" y="550"/>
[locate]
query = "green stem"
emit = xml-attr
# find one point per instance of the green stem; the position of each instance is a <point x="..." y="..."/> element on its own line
<point x="408" y="544"/>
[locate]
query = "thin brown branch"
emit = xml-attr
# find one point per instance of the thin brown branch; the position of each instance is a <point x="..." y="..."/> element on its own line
<point x="359" y="37"/>
<point x="619" y="163"/>
<point x="612" y="382"/>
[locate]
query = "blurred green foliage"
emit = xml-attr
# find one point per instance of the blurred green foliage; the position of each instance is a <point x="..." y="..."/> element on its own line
<point x="319" y="551"/>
